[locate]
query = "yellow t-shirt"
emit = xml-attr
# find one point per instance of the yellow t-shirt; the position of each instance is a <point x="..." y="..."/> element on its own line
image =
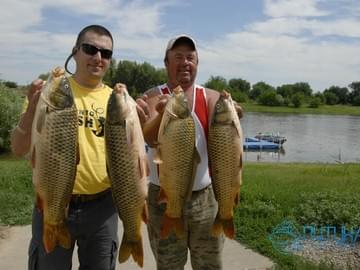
<point x="91" y="175"/>
<point x="91" y="104"/>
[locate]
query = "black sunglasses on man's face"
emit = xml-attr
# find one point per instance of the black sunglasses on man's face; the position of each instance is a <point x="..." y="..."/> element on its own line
<point x="92" y="50"/>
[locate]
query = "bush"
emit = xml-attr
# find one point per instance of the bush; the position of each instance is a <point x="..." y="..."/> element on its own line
<point x="270" y="98"/>
<point x="297" y="100"/>
<point x="356" y="101"/>
<point x="331" y="98"/>
<point x="315" y="102"/>
<point x="10" y="109"/>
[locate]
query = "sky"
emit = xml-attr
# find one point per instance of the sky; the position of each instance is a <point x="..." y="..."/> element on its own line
<point x="274" y="41"/>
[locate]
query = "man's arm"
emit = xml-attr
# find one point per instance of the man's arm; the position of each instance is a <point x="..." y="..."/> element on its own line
<point x="20" y="138"/>
<point x="151" y="108"/>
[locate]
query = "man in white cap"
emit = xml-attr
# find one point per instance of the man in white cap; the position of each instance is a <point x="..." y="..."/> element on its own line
<point x="181" y="62"/>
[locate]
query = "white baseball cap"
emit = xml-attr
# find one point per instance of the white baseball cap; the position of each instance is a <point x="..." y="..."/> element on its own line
<point x="180" y="38"/>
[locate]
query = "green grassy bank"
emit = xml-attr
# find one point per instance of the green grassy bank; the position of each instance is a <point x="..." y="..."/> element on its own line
<point x="319" y="194"/>
<point x="316" y="194"/>
<point x="323" y="109"/>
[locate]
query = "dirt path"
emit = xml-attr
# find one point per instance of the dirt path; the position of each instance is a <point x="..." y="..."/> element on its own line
<point x="14" y="243"/>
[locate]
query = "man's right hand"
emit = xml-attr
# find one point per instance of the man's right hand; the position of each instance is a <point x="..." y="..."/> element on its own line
<point x="33" y="94"/>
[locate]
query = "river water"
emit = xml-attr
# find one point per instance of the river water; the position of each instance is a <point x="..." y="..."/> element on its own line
<point x="310" y="138"/>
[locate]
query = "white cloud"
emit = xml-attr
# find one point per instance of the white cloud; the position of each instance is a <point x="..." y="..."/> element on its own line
<point x="297" y="8"/>
<point x="281" y="60"/>
<point x="298" y="26"/>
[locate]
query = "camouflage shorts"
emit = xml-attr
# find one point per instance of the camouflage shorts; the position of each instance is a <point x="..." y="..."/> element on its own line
<point x="199" y="214"/>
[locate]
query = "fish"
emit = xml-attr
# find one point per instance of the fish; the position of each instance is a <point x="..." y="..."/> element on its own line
<point x="225" y="158"/>
<point x="54" y="156"/>
<point x="175" y="154"/>
<point x="128" y="170"/>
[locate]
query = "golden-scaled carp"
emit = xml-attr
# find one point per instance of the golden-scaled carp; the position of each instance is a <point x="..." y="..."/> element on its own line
<point x="175" y="156"/>
<point x="128" y="169"/>
<point x="225" y="155"/>
<point x="54" y="156"/>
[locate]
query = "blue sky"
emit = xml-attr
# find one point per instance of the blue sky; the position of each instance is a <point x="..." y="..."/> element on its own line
<point x="276" y="41"/>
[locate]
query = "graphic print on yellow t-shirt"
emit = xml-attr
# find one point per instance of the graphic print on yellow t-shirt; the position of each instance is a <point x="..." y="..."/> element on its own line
<point x="91" y="175"/>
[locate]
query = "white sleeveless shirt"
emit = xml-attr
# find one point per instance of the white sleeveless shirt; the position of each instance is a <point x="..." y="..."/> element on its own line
<point x="199" y="113"/>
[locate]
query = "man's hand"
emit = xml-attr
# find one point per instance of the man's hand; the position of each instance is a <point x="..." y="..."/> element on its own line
<point x="239" y="110"/>
<point x="163" y="100"/>
<point x="33" y="94"/>
<point x="143" y="108"/>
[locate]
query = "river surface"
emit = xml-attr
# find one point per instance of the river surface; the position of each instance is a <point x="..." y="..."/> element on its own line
<point x="310" y="138"/>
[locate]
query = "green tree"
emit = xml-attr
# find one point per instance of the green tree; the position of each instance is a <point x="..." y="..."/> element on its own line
<point x="330" y="98"/>
<point x="285" y="90"/>
<point x="217" y="83"/>
<point x="297" y="99"/>
<point x="270" y="98"/>
<point x="302" y="87"/>
<point x="314" y="102"/>
<point x="110" y="75"/>
<point x="240" y="85"/>
<point x="260" y="88"/>
<point x="10" y="84"/>
<point x="10" y="108"/>
<point x="342" y="93"/>
<point x="355" y="93"/>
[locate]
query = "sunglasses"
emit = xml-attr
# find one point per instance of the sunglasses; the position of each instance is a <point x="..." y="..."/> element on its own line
<point x="92" y="50"/>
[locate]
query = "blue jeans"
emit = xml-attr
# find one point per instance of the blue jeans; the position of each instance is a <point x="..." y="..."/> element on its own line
<point x="93" y="227"/>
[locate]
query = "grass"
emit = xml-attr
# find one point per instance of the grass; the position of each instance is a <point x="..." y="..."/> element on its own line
<point x="323" y="109"/>
<point x="303" y="193"/>
<point x="271" y="193"/>
<point x="16" y="191"/>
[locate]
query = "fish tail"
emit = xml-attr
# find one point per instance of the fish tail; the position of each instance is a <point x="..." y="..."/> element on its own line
<point x="54" y="234"/>
<point x="228" y="226"/>
<point x="64" y="236"/>
<point x="175" y="224"/>
<point x="217" y="227"/>
<point x="223" y="225"/>
<point x="135" y="249"/>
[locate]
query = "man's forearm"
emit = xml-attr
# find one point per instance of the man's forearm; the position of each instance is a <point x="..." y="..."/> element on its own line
<point x="151" y="129"/>
<point x="21" y="135"/>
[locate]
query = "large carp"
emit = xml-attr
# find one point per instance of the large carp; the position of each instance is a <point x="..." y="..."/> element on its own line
<point x="54" y="156"/>
<point x="175" y="155"/>
<point x="225" y="155"/>
<point x="128" y="169"/>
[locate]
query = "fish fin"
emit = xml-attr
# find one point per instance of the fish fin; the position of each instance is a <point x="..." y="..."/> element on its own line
<point x="237" y="198"/>
<point x="135" y="249"/>
<point x="33" y="157"/>
<point x="143" y="167"/>
<point x="77" y="154"/>
<point x="64" y="236"/>
<point x="157" y="155"/>
<point x="54" y="234"/>
<point x="217" y="227"/>
<point x="228" y="227"/>
<point x="145" y="213"/>
<point x="39" y="203"/>
<point x="162" y="198"/>
<point x="175" y="224"/>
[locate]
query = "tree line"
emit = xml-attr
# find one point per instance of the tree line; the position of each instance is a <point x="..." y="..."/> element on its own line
<point x="141" y="76"/>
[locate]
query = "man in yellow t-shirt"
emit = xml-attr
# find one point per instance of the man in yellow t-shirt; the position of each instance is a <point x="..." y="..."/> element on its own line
<point x="92" y="218"/>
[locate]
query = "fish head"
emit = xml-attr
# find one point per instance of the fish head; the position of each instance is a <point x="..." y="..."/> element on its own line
<point x="57" y="92"/>
<point x="179" y="104"/>
<point x="223" y="112"/>
<point x="118" y="108"/>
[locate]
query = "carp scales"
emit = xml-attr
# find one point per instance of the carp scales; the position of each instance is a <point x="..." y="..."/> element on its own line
<point x="175" y="155"/>
<point x="128" y="169"/>
<point x="225" y="155"/>
<point x="54" y="156"/>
